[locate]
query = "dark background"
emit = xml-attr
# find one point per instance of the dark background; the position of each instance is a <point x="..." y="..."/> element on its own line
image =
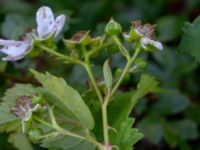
<point x="169" y="121"/>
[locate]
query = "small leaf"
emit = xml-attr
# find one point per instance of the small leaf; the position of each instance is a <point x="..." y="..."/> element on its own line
<point x="66" y="98"/>
<point x="107" y="75"/>
<point x="20" y="141"/>
<point x="147" y="84"/>
<point x="126" y="136"/>
<point x="190" y="41"/>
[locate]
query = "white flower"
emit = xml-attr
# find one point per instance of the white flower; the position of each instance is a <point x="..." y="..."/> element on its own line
<point x="46" y="27"/>
<point x="147" y="43"/>
<point x="46" y="24"/>
<point x="15" y="50"/>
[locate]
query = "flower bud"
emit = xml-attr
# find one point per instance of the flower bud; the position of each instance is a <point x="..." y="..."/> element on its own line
<point x="135" y="34"/>
<point x="113" y="28"/>
<point x="34" y="134"/>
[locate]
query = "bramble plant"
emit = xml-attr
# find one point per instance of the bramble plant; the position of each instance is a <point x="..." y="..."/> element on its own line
<point x="55" y="115"/>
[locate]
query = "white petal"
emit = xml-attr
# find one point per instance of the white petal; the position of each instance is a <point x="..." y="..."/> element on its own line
<point x="146" y="41"/>
<point x="15" y="52"/>
<point x="45" y="20"/>
<point x="9" y="42"/>
<point x="158" y="45"/>
<point x="8" y="58"/>
<point x="58" y="24"/>
<point x="126" y="35"/>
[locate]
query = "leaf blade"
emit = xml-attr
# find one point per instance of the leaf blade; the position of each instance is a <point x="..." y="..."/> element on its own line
<point x="66" y="96"/>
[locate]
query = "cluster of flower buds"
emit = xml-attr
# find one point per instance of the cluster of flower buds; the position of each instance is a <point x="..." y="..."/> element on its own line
<point x="47" y="27"/>
<point x="82" y="39"/>
<point x="145" y="34"/>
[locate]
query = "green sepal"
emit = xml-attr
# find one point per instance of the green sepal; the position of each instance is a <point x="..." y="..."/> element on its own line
<point x="113" y="28"/>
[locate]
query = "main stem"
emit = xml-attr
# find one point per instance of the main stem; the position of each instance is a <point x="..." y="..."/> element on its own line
<point x="105" y="121"/>
<point x="103" y="106"/>
<point x="102" y="101"/>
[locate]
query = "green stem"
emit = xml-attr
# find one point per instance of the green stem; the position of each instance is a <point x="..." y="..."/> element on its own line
<point x="59" y="55"/>
<point x="90" y="74"/>
<point x="94" y="84"/>
<point x="102" y="101"/>
<point x="105" y="122"/>
<point x="68" y="133"/>
<point x="90" y="53"/>
<point x="126" y="69"/>
<point x="122" y="49"/>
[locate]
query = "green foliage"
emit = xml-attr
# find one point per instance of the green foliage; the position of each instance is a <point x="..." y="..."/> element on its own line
<point x="126" y="136"/>
<point x="66" y="98"/>
<point x="163" y="118"/>
<point x="151" y="126"/>
<point x="6" y="118"/>
<point x="18" y="137"/>
<point x="169" y="27"/>
<point x="107" y="75"/>
<point x="177" y="132"/>
<point x="190" y="41"/>
<point x="147" y="84"/>
<point x="171" y="103"/>
<point x="66" y="143"/>
<point x="122" y="135"/>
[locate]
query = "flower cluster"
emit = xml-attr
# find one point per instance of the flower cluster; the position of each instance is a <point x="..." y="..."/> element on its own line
<point x="23" y="109"/>
<point x="145" y="34"/>
<point x="47" y="26"/>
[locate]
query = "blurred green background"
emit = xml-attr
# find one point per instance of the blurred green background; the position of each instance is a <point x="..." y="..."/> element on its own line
<point x="170" y="120"/>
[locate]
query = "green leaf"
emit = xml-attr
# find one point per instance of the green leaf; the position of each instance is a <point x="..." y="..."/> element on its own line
<point x="126" y="136"/>
<point x="66" y="98"/>
<point x="178" y="131"/>
<point x="171" y="103"/>
<point x="67" y="143"/>
<point x="119" y="110"/>
<point x="190" y="41"/>
<point x="107" y="75"/>
<point x="151" y="127"/>
<point x="147" y="84"/>
<point x="20" y="141"/>
<point x="169" y="27"/>
<point x="118" y="115"/>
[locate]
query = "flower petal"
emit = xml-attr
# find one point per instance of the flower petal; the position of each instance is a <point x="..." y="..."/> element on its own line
<point x="9" y="42"/>
<point x="15" y="52"/>
<point x="58" y="24"/>
<point x="149" y="44"/>
<point x="45" y="20"/>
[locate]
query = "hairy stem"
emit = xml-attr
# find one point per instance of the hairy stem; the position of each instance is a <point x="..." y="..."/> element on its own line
<point x="105" y="122"/>
<point x="68" y="133"/>
<point x="126" y="69"/>
<point x="60" y="56"/>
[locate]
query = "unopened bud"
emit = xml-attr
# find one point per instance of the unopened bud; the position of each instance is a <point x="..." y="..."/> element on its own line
<point x="113" y="28"/>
